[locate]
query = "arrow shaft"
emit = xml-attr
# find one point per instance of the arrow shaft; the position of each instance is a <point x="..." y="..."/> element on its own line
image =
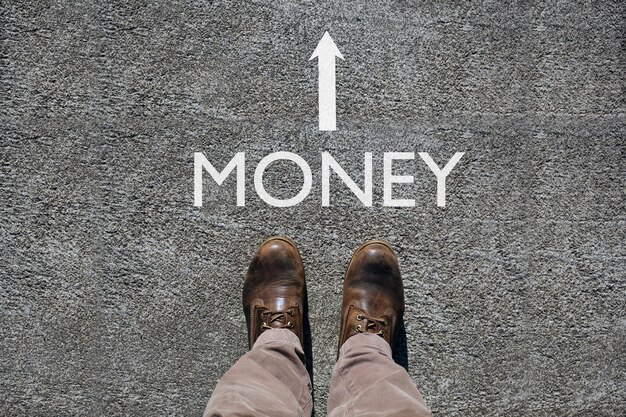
<point x="327" y="94"/>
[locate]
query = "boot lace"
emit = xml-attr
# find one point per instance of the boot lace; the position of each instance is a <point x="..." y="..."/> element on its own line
<point x="277" y="319"/>
<point x="372" y="325"/>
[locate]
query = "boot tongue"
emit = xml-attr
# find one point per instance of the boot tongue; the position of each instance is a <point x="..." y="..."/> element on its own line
<point x="277" y="313"/>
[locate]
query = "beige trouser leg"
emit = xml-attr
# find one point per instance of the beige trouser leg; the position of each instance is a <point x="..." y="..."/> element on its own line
<point x="270" y="380"/>
<point x="367" y="382"/>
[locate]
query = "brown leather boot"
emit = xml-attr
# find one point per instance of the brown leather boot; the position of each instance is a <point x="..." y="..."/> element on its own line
<point x="373" y="295"/>
<point x="274" y="289"/>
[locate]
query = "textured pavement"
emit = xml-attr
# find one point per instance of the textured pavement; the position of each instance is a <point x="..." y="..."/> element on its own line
<point x="118" y="297"/>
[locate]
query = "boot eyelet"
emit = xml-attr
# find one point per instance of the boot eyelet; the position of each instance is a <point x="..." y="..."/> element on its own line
<point x="290" y="325"/>
<point x="359" y="317"/>
<point x="358" y="328"/>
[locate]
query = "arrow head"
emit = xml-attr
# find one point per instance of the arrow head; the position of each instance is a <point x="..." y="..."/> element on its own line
<point x="326" y="47"/>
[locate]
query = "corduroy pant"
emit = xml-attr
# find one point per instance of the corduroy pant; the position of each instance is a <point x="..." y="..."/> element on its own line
<point x="271" y="380"/>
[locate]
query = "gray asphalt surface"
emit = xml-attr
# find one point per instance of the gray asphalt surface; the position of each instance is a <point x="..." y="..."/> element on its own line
<point x="118" y="297"/>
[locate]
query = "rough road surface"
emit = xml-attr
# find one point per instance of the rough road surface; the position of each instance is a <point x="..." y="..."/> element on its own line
<point x="119" y="297"/>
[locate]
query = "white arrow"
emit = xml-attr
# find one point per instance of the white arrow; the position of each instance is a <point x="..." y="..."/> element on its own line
<point x="326" y="51"/>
